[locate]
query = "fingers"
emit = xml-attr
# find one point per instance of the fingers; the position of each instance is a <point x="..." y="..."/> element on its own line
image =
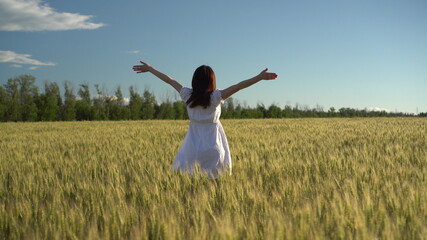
<point x="138" y="65"/>
<point x="138" y="68"/>
<point x="268" y="75"/>
<point x="272" y="76"/>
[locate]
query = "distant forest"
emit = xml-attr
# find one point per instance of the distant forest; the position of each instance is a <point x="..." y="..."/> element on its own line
<point x="20" y="100"/>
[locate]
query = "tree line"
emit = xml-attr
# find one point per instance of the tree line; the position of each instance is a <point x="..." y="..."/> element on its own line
<point x="20" y="100"/>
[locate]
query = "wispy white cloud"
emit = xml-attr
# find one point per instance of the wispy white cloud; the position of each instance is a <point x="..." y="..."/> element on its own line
<point x="33" y="68"/>
<point x="126" y="100"/>
<point x="133" y="51"/>
<point x="16" y="65"/>
<point x="18" y="59"/>
<point x="378" y="109"/>
<point x="35" y="15"/>
<point x="112" y="98"/>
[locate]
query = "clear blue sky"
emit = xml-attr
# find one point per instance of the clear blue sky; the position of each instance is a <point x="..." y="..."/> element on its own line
<point x="359" y="54"/>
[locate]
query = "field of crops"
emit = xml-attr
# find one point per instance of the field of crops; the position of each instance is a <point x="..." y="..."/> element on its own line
<point x="292" y="179"/>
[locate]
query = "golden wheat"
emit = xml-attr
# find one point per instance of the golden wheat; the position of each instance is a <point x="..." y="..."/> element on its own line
<point x="292" y="179"/>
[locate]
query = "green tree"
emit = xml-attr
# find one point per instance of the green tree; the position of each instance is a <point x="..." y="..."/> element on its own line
<point x="262" y="109"/>
<point x="83" y="105"/>
<point x="69" y="107"/>
<point x="4" y="104"/>
<point x="22" y="97"/>
<point x="274" y="111"/>
<point x="166" y="111"/>
<point x="50" y="102"/>
<point x="227" y="108"/>
<point x="148" y="106"/>
<point x="117" y="109"/>
<point x="180" y="110"/>
<point x="99" y="110"/>
<point x="248" y="112"/>
<point x="23" y="93"/>
<point x="28" y="94"/>
<point x="14" y="109"/>
<point x="237" y="113"/>
<point x="332" y="112"/>
<point x="287" y="112"/>
<point x="296" y="112"/>
<point x="84" y="93"/>
<point x="135" y="104"/>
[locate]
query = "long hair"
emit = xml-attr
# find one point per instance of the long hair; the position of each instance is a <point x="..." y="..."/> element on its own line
<point x="203" y="83"/>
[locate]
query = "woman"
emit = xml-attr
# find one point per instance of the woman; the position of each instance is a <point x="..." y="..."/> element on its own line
<point x="205" y="143"/>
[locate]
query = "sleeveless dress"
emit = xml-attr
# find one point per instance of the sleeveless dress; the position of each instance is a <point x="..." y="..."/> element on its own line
<point x="205" y="143"/>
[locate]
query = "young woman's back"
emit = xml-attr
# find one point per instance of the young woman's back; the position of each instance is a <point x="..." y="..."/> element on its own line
<point x="205" y="143"/>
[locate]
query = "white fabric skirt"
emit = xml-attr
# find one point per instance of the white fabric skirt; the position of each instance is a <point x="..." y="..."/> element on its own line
<point x="206" y="145"/>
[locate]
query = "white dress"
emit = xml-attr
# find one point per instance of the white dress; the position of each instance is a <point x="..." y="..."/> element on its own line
<point x="205" y="143"/>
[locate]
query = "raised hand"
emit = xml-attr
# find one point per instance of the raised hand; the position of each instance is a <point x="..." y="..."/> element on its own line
<point x="145" y="67"/>
<point x="264" y="75"/>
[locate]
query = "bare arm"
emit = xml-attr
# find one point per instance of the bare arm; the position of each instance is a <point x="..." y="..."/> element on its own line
<point x="145" y="67"/>
<point x="264" y="75"/>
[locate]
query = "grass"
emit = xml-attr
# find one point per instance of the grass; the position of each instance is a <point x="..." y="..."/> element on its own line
<point x="292" y="179"/>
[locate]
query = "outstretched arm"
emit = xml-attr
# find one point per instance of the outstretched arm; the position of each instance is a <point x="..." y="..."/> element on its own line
<point x="264" y="75"/>
<point x="145" y="67"/>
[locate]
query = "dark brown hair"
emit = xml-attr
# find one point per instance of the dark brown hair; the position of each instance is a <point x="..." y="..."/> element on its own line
<point x="203" y="83"/>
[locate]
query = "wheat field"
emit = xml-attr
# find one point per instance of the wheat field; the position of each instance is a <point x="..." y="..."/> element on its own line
<point x="292" y="179"/>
